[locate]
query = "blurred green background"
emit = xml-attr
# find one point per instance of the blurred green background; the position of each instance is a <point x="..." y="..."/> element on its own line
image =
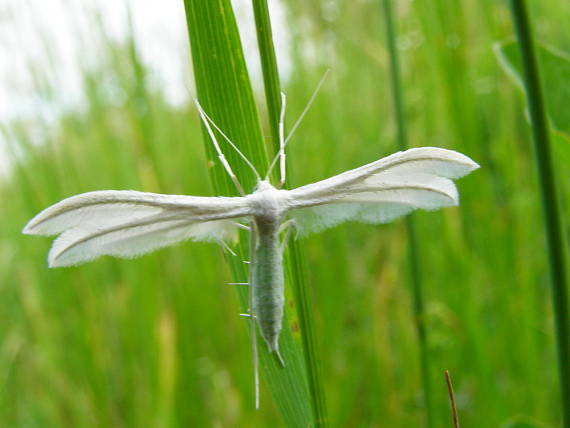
<point x="157" y="341"/>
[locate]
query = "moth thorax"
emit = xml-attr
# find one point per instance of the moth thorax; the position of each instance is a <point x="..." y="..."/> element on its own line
<point x="262" y="186"/>
<point x="266" y="202"/>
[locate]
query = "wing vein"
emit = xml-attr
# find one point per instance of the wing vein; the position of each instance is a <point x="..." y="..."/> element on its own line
<point x="155" y="220"/>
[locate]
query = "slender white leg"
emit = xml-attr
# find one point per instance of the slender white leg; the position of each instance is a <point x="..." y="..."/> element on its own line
<point x="242" y="226"/>
<point x="247" y="316"/>
<point x="282" y="155"/>
<point x="227" y="248"/>
<point x="280" y="358"/>
<point x="289" y="226"/>
<point x="252" y="332"/>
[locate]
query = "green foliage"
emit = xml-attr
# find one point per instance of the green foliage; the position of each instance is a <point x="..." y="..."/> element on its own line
<point x="521" y="422"/>
<point x="156" y="341"/>
<point x="554" y="228"/>
<point x="555" y="72"/>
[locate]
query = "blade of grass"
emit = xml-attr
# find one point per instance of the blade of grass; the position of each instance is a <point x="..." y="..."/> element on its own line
<point x="295" y="257"/>
<point x="549" y="193"/>
<point x="413" y="246"/>
<point x="225" y="92"/>
<point x="269" y="68"/>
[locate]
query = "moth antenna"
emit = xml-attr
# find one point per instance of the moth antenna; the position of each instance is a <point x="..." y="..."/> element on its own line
<point x="296" y="124"/>
<point x="221" y="156"/>
<point x="233" y="145"/>
<point x="309" y="104"/>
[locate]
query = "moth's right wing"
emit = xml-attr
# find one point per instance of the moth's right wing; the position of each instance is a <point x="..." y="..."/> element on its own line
<point x="129" y="224"/>
<point x="382" y="190"/>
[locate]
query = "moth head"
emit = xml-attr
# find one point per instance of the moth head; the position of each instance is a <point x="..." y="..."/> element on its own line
<point x="263" y="185"/>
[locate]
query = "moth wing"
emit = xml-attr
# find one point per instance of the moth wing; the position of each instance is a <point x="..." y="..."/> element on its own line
<point x="129" y="223"/>
<point x="382" y="190"/>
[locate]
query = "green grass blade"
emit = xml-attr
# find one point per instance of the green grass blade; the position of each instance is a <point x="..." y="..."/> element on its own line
<point x="295" y="265"/>
<point x="522" y="422"/>
<point x="269" y="67"/>
<point x="224" y="90"/>
<point x="413" y="245"/>
<point x="549" y="192"/>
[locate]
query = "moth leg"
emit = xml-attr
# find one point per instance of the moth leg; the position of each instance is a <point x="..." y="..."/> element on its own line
<point x="247" y="315"/>
<point x="280" y="358"/>
<point x="238" y="283"/>
<point x="282" y="155"/>
<point x="227" y="248"/>
<point x="242" y="226"/>
<point x="288" y="227"/>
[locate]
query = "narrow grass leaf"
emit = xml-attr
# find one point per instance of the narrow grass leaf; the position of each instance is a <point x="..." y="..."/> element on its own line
<point x="553" y="222"/>
<point x="225" y="92"/>
<point x="413" y="244"/>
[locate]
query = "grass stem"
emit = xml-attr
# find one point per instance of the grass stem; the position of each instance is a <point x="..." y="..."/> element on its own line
<point x="549" y="192"/>
<point x="269" y="67"/>
<point x="295" y="259"/>
<point x="413" y="246"/>
<point x="451" y="394"/>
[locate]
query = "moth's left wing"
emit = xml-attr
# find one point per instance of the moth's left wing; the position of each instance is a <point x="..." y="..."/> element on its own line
<point x="129" y="223"/>
<point x="382" y="190"/>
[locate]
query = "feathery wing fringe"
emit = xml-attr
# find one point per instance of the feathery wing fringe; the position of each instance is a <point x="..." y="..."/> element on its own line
<point x="381" y="191"/>
<point x="129" y="223"/>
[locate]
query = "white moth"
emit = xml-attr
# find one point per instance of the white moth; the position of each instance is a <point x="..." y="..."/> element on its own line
<point x="131" y="223"/>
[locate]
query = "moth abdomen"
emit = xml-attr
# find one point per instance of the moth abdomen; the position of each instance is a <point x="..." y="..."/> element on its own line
<point x="267" y="283"/>
<point x="269" y="315"/>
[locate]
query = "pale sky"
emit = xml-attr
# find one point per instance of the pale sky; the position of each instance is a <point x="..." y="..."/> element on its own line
<point x="55" y="36"/>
